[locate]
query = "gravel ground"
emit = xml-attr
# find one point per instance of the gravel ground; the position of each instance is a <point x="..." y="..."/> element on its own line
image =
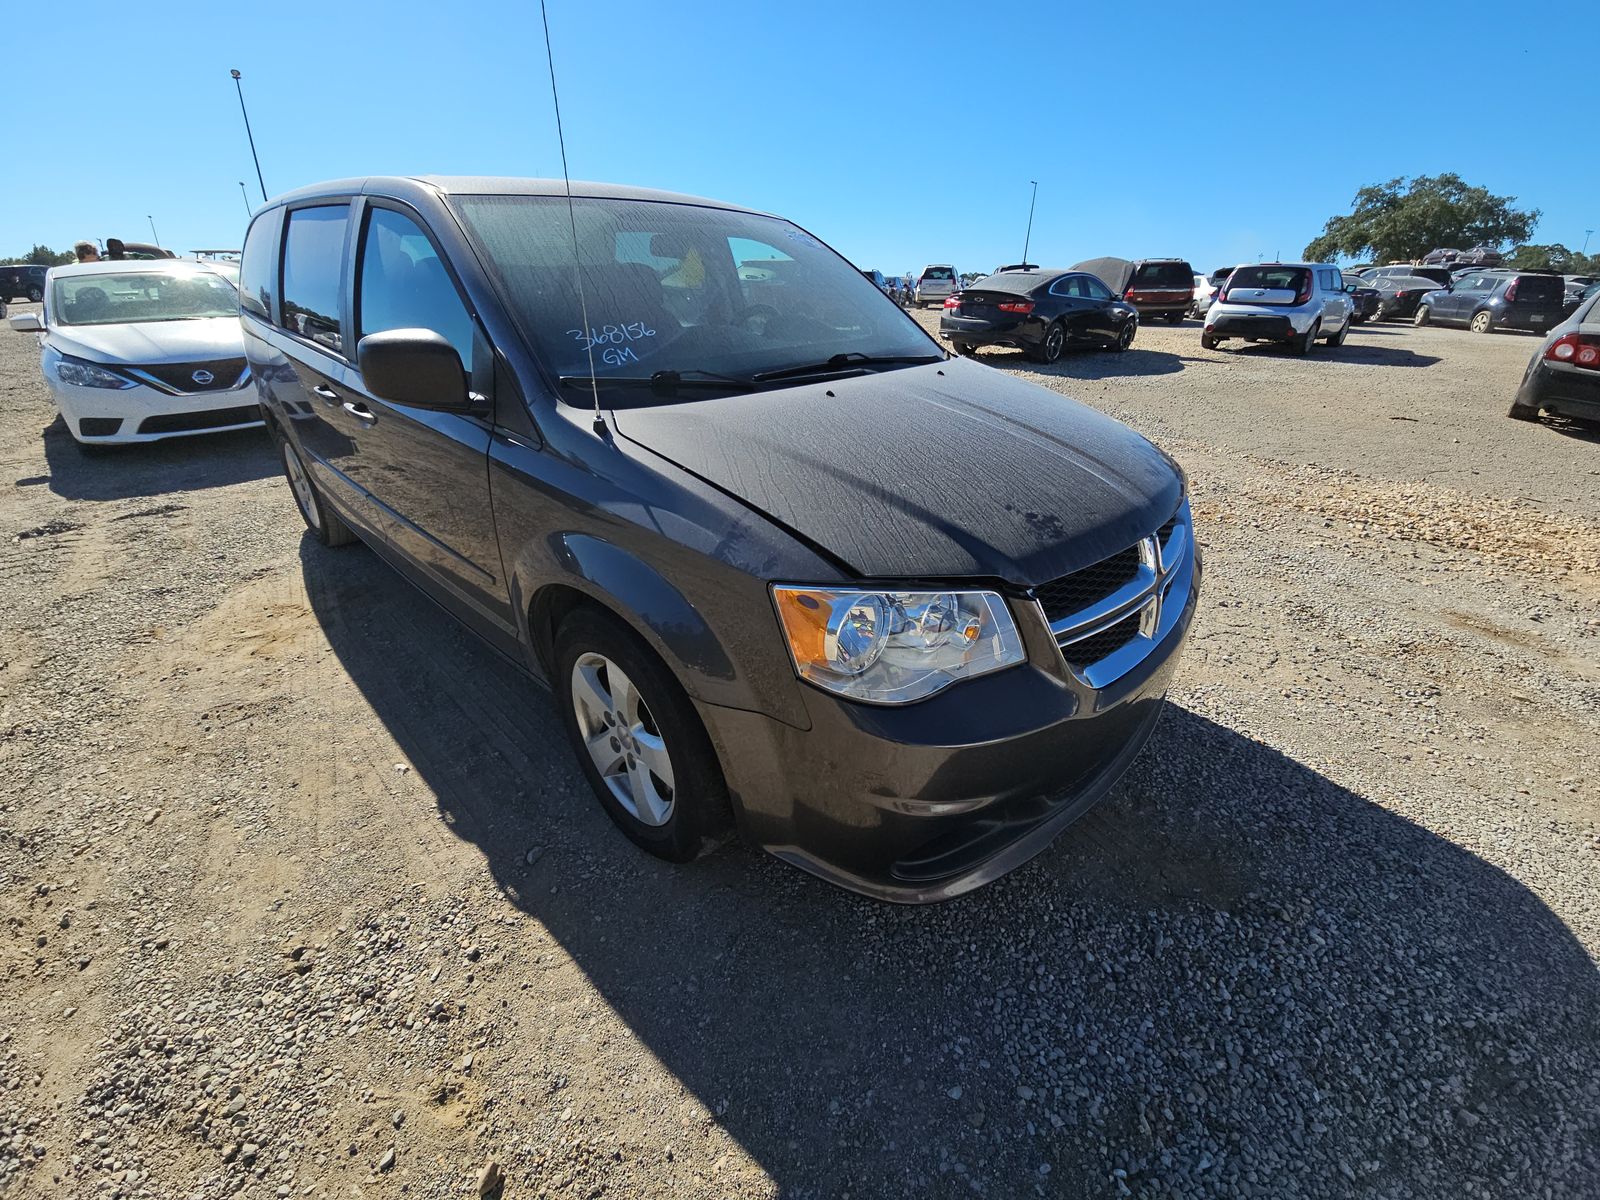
<point x="303" y="894"/>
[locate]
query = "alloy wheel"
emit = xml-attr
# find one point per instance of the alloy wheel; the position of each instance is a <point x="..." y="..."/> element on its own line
<point x="1481" y="322"/>
<point x="622" y="738"/>
<point x="1125" y="335"/>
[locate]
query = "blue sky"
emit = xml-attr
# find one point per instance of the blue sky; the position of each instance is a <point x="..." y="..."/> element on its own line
<point x="901" y="133"/>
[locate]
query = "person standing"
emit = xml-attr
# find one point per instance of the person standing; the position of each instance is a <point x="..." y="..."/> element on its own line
<point x="86" y="251"/>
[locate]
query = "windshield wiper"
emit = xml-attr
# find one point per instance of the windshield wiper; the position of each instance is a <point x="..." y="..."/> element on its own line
<point x="664" y="382"/>
<point x="842" y="362"/>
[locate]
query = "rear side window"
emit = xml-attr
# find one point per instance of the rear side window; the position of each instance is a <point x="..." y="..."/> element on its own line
<point x="404" y="284"/>
<point x="313" y="255"/>
<point x="1165" y="275"/>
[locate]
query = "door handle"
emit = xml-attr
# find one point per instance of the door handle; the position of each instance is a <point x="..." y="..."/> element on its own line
<point x="326" y="392"/>
<point x="359" y="411"/>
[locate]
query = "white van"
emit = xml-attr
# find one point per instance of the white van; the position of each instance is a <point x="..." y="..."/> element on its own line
<point x="936" y="284"/>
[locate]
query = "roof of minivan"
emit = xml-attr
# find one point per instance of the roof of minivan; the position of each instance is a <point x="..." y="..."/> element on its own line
<point x="495" y="185"/>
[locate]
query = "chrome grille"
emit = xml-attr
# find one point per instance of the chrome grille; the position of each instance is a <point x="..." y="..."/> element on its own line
<point x="1107" y="617"/>
<point x="215" y="376"/>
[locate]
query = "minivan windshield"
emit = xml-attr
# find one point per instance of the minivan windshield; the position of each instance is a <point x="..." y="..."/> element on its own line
<point x="680" y="291"/>
<point x="135" y="296"/>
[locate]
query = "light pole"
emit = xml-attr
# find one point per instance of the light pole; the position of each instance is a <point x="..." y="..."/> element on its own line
<point x="1029" y="237"/>
<point x="1587" y="234"/>
<point x="248" y="211"/>
<point x="240" y="89"/>
<point x="154" y="236"/>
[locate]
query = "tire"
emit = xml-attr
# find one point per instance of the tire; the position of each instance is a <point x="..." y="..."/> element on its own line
<point x="36" y="295"/>
<point x="1521" y="412"/>
<point x="1125" y="336"/>
<point x="1208" y="342"/>
<point x="324" y="524"/>
<point x="965" y="349"/>
<point x="1174" y="318"/>
<point x="1055" y="341"/>
<point x="1302" y="344"/>
<point x="1337" y="339"/>
<point x="607" y="679"/>
<point x="1423" y="315"/>
<point x="1482" y="322"/>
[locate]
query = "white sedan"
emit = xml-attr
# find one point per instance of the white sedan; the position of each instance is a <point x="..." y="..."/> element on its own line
<point x="138" y="351"/>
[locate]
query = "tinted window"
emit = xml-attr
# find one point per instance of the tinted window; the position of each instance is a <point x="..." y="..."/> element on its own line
<point x="404" y="284"/>
<point x="1539" y="289"/>
<point x="1165" y="275"/>
<point x="255" y="268"/>
<point x="1094" y="289"/>
<point x="1291" y="279"/>
<point x="946" y="273"/>
<point x="1068" y="285"/>
<point x="313" y="252"/>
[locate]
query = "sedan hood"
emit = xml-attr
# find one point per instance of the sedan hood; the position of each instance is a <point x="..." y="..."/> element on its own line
<point x="200" y="340"/>
<point x="945" y="470"/>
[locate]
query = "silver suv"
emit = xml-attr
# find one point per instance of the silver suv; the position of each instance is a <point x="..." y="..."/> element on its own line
<point x="937" y="284"/>
<point x="1293" y="303"/>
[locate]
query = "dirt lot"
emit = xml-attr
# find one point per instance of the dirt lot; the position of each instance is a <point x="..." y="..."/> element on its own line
<point x="303" y="894"/>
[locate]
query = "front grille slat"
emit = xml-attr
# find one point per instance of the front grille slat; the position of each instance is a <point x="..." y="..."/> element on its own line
<point x="1073" y="593"/>
<point x="225" y="373"/>
<point x="1104" y="644"/>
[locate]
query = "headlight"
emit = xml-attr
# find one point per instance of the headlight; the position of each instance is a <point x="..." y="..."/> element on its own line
<point x="895" y="647"/>
<point x="86" y="374"/>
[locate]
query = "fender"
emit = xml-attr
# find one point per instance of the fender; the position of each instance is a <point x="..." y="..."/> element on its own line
<point x="658" y="611"/>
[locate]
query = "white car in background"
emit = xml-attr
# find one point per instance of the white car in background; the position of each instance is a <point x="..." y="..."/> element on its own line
<point x="937" y="283"/>
<point x="138" y="351"/>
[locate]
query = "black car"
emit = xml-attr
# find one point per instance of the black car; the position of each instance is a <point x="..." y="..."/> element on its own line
<point x="1375" y="276"/>
<point x="1038" y="312"/>
<point x="23" y="281"/>
<point x="1160" y="288"/>
<point x="788" y="566"/>
<point x="1563" y="375"/>
<point x="1493" y="300"/>
<point x="1399" y="295"/>
<point x="1365" y="297"/>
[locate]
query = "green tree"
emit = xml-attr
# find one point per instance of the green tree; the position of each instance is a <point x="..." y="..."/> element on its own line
<point x="42" y="256"/>
<point x="1553" y="258"/>
<point x="1394" y="220"/>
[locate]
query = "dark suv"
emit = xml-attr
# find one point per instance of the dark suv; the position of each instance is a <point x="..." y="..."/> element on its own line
<point x="22" y="282"/>
<point x="785" y="563"/>
<point x="1497" y="299"/>
<point x="1158" y="287"/>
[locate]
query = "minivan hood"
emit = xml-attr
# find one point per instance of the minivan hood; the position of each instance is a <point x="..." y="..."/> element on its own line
<point x="200" y="340"/>
<point x="944" y="470"/>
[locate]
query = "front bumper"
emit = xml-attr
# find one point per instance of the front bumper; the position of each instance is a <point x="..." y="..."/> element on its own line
<point x="924" y="802"/>
<point x="1569" y="391"/>
<point x="112" y="417"/>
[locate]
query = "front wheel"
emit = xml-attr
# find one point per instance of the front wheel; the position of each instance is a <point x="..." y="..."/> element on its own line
<point x="638" y="739"/>
<point x="1424" y="315"/>
<point x="1124" y="336"/>
<point x="1482" y="322"/>
<point x="1337" y="339"/>
<point x="321" y="520"/>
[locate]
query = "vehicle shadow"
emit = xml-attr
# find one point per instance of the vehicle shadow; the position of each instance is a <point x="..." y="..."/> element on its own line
<point x="1234" y="965"/>
<point x="1572" y="427"/>
<point x="1090" y="364"/>
<point x="154" y="468"/>
<point x="1353" y="351"/>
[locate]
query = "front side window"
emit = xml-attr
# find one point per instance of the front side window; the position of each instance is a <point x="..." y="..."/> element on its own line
<point x="313" y="256"/>
<point x="132" y="297"/>
<point x="678" y="288"/>
<point x="1094" y="289"/>
<point x="404" y="284"/>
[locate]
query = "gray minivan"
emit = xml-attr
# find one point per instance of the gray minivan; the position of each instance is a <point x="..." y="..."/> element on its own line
<point x="786" y="564"/>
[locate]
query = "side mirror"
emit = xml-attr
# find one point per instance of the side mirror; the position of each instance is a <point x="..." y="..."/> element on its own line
<point x="27" y="323"/>
<point x="415" y="367"/>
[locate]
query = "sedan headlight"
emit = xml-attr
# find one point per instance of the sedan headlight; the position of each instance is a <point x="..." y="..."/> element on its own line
<point x="895" y="647"/>
<point x="87" y="374"/>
